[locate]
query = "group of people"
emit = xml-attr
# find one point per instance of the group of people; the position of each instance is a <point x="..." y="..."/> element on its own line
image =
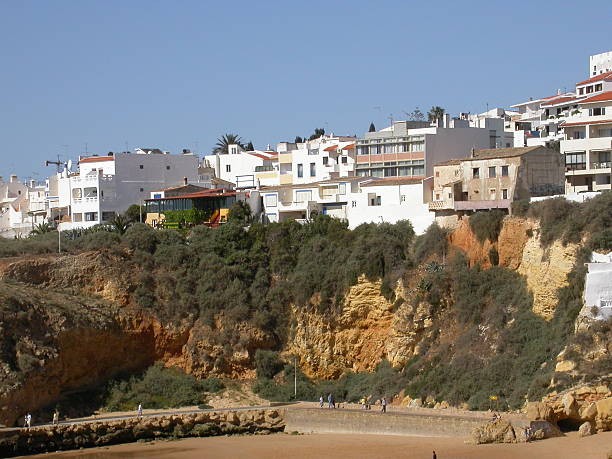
<point x="331" y="403"/>
<point x="27" y="422"/>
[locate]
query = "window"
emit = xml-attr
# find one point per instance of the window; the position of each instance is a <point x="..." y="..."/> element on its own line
<point x="373" y="199"/>
<point x="437" y="173"/>
<point x="77" y="217"/>
<point x="314" y="151"/>
<point x="345" y="160"/>
<point x="589" y="89"/>
<point x="325" y="160"/>
<point x="303" y="196"/>
<point x="141" y="166"/>
<point x="313" y="169"/>
<point x="581" y="91"/>
<point x="575" y="161"/>
<point x="403" y="198"/>
<point x="107" y="216"/>
<point x="598" y="87"/>
<point x="437" y="196"/>
<point x="300" y="170"/>
<point x="597" y="111"/>
<point x="353" y="203"/>
<point x="492" y="172"/>
<point x="492" y="194"/>
<point x="450" y="195"/>
<point x="141" y="190"/>
<point x="271" y="200"/>
<point x="342" y="188"/>
<point x="504" y="171"/>
<point x="157" y="196"/>
<point x="167" y="168"/>
<point x="476" y="172"/>
<point x="91" y="216"/>
<point x="504" y="193"/>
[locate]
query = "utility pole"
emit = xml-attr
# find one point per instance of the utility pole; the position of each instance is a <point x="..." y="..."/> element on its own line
<point x="140" y="209"/>
<point x="295" y="378"/>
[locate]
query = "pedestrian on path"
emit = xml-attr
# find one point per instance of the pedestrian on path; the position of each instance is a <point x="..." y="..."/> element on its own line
<point x="56" y="418"/>
<point x="435" y="456"/>
<point x="321" y="402"/>
<point x="384" y="405"/>
<point x="28" y="420"/>
<point x="330" y="401"/>
<point x="139" y="410"/>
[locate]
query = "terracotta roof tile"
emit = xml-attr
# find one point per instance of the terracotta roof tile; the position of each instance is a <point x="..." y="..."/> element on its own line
<point x="600" y="77"/>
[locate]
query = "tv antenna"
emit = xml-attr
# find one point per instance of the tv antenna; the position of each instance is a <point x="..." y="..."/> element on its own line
<point x="59" y="164"/>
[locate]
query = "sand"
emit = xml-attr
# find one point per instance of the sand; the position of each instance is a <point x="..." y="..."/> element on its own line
<point x="347" y="446"/>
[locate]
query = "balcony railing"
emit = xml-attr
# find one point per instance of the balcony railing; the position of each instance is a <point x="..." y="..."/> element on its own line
<point x="601" y="165"/>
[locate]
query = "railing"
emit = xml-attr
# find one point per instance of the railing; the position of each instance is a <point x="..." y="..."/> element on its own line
<point x="439" y="205"/>
<point x="601" y="165"/>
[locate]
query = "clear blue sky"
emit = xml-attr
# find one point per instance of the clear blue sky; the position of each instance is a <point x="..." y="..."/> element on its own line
<point x="176" y="74"/>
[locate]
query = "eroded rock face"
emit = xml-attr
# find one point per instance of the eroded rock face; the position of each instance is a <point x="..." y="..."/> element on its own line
<point x="498" y="431"/>
<point x="578" y="405"/>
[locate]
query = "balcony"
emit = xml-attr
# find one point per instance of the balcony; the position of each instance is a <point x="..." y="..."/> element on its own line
<point x="483" y="205"/>
<point x="601" y="165"/>
<point x="441" y="205"/>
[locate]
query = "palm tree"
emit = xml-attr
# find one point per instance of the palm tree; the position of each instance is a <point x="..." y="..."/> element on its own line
<point x="41" y="228"/>
<point x="120" y="224"/>
<point x="435" y="114"/>
<point x="225" y="141"/>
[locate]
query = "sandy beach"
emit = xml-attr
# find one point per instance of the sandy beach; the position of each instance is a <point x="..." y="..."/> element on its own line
<point x="348" y="446"/>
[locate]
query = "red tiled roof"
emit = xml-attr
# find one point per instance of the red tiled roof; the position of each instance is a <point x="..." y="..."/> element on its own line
<point x="584" y="123"/>
<point x="331" y="148"/>
<point x="604" y="96"/>
<point x="215" y="192"/>
<point x="559" y="101"/>
<point x="348" y="147"/>
<point x="601" y="76"/>
<point x="259" y="155"/>
<point x="95" y="159"/>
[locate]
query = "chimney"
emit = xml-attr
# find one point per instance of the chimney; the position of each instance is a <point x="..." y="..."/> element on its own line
<point x="13" y="178"/>
<point x="185" y="181"/>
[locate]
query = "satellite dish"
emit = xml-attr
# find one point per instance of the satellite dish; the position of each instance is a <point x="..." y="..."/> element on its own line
<point x="69" y="164"/>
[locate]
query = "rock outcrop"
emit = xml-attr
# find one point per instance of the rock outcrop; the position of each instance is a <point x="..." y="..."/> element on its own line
<point x="100" y="433"/>
<point x="498" y="431"/>
<point x="575" y="407"/>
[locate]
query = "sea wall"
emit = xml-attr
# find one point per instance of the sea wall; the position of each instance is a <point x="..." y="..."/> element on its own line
<point x="17" y="442"/>
<point x="318" y="420"/>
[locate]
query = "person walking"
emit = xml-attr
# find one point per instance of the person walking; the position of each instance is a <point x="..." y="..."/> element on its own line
<point x="321" y="401"/>
<point x="28" y="420"/>
<point x="330" y="401"/>
<point x="384" y="404"/>
<point x="435" y="456"/>
<point x="139" y="410"/>
<point x="56" y="418"/>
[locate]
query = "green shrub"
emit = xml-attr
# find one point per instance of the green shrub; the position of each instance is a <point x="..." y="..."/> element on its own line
<point x="520" y="208"/>
<point x="267" y="363"/>
<point x="487" y="224"/>
<point x="433" y="242"/>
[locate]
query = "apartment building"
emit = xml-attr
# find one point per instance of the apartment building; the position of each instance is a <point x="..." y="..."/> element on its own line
<point x="247" y="169"/>
<point x="411" y="148"/>
<point x="493" y="179"/>
<point x="389" y="200"/>
<point x="600" y="63"/>
<point x="105" y="186"/>
<point x="587" y="142"/>
<point x="302" y="201"/>
<point x="22" y="207"/>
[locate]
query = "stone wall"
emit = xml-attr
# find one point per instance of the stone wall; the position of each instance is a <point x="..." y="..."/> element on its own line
<point x="17" y="442"/>
<point x="368" y="422"/>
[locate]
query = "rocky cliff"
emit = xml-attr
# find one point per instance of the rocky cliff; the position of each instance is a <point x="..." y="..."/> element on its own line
<point x="73" y="321"/>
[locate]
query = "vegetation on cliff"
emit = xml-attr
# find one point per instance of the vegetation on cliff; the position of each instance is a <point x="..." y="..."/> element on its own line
<point x="221" y="283"/>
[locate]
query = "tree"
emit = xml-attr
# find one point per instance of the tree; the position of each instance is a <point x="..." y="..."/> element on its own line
<point x="133" y="213"/>
<point x="318" y="132"/>
<point x="250" y="147"/>
<point x="372" y="128"/>
<point x="225" y="141"/>
<point x="298" y="139"/>
<point x="41" y="228"/>
<point x="415" y="115"/>
<point x="240" y="212"/>
<point x="120" y="224"/>
<point x="435" y="114"/>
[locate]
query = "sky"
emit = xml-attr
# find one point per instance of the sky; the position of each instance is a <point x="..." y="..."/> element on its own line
<point x="98" y="76"/>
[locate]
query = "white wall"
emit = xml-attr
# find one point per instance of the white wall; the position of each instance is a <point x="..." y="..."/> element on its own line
<point x="392" y="208"/>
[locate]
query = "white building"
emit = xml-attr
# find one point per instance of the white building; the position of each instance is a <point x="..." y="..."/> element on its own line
<point x="600" y="63"/>
<point x="587" y="143"/>
<point x="105" y="186"/>
<point x="247" y="169"/>
<point x="390" y="200"/>
<point x="22" y="207"/>
<point x="411" y="148"/>
<point x="302" y="201"/>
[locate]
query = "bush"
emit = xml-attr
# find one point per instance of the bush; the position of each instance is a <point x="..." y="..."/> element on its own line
<point x="487" y="224"/>
<point x="267" y="363"/>
<point x="433" y="242"/>
<point x="520" y="208"/>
